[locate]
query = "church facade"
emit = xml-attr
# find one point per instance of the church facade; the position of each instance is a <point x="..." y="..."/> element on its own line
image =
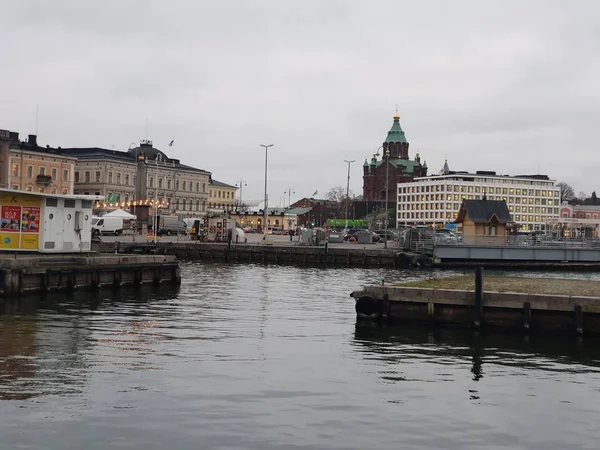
<point x="395" y="161"/>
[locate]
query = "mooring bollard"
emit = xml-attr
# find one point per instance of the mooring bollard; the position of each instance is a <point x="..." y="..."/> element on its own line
<point x="478" y="296"/>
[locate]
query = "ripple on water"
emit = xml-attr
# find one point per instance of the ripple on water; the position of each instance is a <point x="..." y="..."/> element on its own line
<point x="271" y="357"/>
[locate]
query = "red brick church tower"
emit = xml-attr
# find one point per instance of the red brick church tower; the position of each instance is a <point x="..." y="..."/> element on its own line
<point x="401" y="169"/>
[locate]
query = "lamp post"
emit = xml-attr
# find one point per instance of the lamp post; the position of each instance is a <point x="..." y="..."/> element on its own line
<point x="348" y="189"/>
<point x="241" y="183"/>
<point x="156" y="201"/>
<point x="265" y="212"/>
<point x="289" y="193"/>
<point x="387" y="190"/>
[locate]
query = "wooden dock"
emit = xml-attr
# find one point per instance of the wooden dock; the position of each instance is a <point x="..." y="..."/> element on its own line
<point x="478" y="308"/>
<point x="39" y="273"/>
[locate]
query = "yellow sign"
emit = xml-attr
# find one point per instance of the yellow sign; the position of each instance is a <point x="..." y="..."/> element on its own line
<point x="20" y="218"/>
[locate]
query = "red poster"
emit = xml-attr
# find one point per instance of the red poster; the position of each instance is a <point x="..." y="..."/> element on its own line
<point x="11" y="218"/>
<point x="30" y="219"/>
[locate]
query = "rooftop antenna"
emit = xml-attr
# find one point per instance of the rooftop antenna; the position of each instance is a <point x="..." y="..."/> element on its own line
<point x="37" y="116"/>
<point x="146" y="129"/>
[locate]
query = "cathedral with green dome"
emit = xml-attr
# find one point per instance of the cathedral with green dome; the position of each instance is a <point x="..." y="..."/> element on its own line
<point x="400" y="169"/>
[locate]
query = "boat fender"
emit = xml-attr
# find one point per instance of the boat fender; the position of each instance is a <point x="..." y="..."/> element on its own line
<point x="368" y="306"/>
<point x="425" y="261"/>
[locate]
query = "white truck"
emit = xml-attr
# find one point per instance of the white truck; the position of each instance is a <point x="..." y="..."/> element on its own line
<point x="107" y="225"/>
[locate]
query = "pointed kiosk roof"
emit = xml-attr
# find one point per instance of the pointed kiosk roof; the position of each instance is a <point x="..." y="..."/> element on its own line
<point x="396" y="134"/>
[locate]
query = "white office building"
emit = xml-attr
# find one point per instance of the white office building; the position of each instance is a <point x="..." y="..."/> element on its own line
<point x="435" y="200"/>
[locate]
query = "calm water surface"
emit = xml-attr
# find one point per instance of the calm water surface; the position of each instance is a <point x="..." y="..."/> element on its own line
<point x="271" y="357"/>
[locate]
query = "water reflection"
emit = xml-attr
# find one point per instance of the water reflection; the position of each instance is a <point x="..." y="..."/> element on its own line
<point x="46" y="343"/>
<point x="394" y="344"/>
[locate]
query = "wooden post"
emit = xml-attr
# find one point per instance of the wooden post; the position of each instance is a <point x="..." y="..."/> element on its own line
<point x="431" y="313"/>
<point x="385" y="306"/>
<point x="95" y="280"/>
<point x="117" y="278"/>
<point x="578" y="319"/>
<point x="526" y="315"/>
<point x="44" y="282"/>
<point x="478" y="296"/>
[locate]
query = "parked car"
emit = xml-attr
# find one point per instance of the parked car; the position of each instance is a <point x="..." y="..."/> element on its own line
<point x="274" y="230"/>
<point x="388" y="235"/>
<point x="444" y="236"/>
<point x="353" y="235"/>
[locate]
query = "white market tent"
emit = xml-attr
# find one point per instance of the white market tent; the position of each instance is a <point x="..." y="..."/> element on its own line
<point x="122" y="214"/>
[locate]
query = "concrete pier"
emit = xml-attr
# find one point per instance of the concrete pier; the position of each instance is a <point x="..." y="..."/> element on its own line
<point x="332" y="255"/>
<point x="510" y="310"/>
<point x="20" y="274"/>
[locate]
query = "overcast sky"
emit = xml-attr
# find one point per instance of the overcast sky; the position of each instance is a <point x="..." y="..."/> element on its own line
<point x="510" y="86"/>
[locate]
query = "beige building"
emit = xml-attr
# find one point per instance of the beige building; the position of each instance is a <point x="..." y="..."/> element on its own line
<point x="221" y="197"/>
<point x="28" y="167"/>
<point x="484" y="221"/>
<point x="141" y="173"/>
<point x="435" y="200"/>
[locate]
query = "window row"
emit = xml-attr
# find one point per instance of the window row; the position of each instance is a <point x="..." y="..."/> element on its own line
<point x="422" y="198"/>
<point x="221" y="194"/>
<point x="30" y="172"/>
<point x="52" y="190"/>
<point x="448" y="215"/>
<point x="477" y="189"/>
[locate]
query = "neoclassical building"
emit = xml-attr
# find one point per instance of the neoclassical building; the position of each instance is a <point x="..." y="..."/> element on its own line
<point x="141" y="173"/>
<point x="400" y="168"/>
<point x="26" y="166"/>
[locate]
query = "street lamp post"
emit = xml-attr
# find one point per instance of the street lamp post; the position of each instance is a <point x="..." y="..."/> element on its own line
<point x="289" y="193"/>
<point x="348" y="189"/>
<point x="156" y="202"/>
<point x="241" y="183"/>
<point x="265" y="212"/>
<point x="387" y="190"/>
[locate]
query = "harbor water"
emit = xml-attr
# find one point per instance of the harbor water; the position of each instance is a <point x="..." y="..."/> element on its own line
<point x="271" y="357"/>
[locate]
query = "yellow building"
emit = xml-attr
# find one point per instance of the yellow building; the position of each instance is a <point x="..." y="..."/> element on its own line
<point x="221" y="197"/>
<point x="278" y="218"/>
<point x="29" y="167"/>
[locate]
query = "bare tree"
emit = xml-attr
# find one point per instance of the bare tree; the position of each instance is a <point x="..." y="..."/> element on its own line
<point x="566" y="191"/>
<point x="582" y="196"/>
<point x="337" y="194"/>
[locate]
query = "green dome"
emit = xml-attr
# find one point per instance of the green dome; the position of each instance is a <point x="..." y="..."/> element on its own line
<point x="396" y="134"/>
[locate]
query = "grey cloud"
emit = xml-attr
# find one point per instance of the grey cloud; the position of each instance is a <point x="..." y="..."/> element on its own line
<point x="510" y="86"/>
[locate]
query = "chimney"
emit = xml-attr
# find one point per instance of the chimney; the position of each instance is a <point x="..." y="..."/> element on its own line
<point x="32" y="140"/>
<point x="4" y="157"/>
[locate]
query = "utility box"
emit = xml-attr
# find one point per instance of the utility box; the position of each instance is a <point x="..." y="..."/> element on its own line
<point x="306" y="237"/>
<point x="364" y="237"/>
<point x="336" y="238"/>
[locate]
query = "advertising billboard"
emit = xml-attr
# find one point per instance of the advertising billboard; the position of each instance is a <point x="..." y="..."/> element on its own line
<point x="19" y="221"/>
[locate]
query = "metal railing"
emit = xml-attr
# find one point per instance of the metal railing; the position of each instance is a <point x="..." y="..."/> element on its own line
<point x="517" y="241"/>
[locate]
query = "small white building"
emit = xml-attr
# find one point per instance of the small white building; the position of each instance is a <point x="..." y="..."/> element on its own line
<point x="45" y="223"/>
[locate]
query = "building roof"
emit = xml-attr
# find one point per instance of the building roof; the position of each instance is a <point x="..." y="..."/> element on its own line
<point x="482" y="211"/>
<point x="446" y="169"/>
<point x="396" y="134"/>
<point x="46" y="195"/>
<point x="410" y="165"/>
<point x="150" y="153"/>
<point x="582" y="208"/>
<point x="470" y="176"/>
<point x="221" y="184"/>
<point x="298" y="211"/>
